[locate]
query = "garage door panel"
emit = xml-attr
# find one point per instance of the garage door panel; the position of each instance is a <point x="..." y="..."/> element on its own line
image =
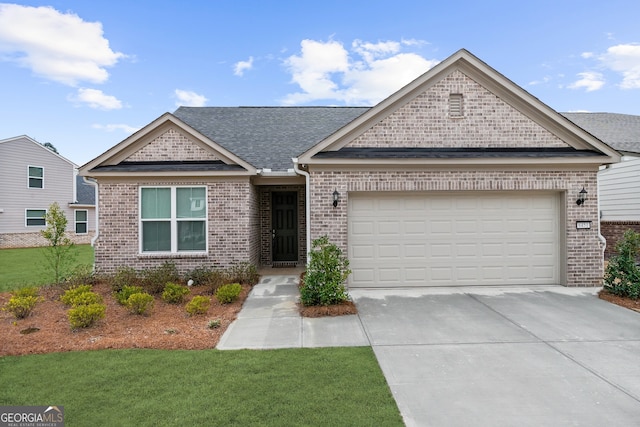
<point x="428" y="239"/>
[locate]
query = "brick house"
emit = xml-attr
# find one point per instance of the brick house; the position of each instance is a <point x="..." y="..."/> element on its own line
<point x="459" y="178"/>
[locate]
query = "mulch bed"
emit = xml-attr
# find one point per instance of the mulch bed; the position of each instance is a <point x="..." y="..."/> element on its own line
<point x="621" y="301"/>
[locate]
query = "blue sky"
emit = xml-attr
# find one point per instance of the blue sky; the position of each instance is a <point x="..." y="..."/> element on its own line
<point x="84" y="75"/>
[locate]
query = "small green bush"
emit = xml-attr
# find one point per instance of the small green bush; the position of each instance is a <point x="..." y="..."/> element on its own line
<point x="25" y="292"/>
<point x="86" y="298"/>
<point x="228" y="293"/>
<point x="324" y="281"/>
<point x="21" y="304"/>
<point x="198" y="305"/>
<point x="125" y="276"/>
<point x="155" y="279"/>
<point x="84" y="316"/>
<point x="140" y="303"/>
<point x="622" y="276"/>
<point x="81" y="274"/>
<point x="174" y="293"/>
<point x="123" y="294"/>
<point x="243" y="272"/>
<point x="215" y="279"/>
<point x="72" y="294"/>
<point x="199" y="275"/>
<point x="214" y="324"/>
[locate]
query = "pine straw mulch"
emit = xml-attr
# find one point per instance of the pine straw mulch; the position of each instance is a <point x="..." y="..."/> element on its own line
<point x="631" y="304"/>
<point x="167" y="326"/>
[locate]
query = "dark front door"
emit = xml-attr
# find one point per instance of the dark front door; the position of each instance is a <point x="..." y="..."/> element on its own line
<point x="284" y="221"/>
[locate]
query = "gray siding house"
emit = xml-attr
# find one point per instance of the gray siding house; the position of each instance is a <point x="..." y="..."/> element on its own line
<point x="32" y="177"/>
<point x="459" y="178"/>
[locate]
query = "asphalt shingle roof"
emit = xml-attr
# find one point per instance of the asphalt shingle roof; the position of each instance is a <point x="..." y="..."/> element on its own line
<point x="268" y="137"/>
<point x="619" y="131"/>
<point x="85" y="193"/>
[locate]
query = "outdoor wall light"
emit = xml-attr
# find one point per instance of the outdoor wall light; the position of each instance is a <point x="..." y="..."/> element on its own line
<point x="336" y="198"/>
<point x="582" y="196"/>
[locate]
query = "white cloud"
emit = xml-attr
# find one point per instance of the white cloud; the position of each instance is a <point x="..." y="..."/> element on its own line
<point x="589" y="80"/>
<point x="113" y="127"/>
<point x="624" y="59"/>
<point x="364" y="76"/>
<point x="241" y="66"/>
<point x="57" y="46"/>
<point x="586" y="55"/>
<point x="95" y="98"/>
<point x="189" y="99"/>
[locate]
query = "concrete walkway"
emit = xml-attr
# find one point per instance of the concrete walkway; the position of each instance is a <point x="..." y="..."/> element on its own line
<point x="535" y="356"/>
<point x="270" y="319"/>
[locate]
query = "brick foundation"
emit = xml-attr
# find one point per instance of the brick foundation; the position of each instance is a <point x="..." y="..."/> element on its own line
<point x="33" y="240"/>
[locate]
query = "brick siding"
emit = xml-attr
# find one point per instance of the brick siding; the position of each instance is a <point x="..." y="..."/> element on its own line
<point x="613" y="231"/>
<point x="33" y="240"/>
<point x="584" y="254"/>
<point x="170" y="146"/>
<point x="233" y="230"/>
<point x="487" y="121"/>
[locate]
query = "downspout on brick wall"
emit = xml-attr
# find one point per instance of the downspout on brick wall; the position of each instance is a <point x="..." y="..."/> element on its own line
<point x="307" y="205"/>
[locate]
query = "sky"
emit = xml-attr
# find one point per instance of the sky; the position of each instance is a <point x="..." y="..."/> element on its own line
<point x="84" y="75"/>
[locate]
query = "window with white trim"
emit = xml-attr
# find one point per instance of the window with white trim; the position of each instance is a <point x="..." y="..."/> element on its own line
<point x="35" y="217"/>
<point x="173" y="219"/>
<point x="36" y="177"/>
<point x="82" y="221"/>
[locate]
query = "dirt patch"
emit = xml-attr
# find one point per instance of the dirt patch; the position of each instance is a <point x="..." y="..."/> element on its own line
<point x="629" y="303"/>
<point x="167" y="327"/>
<point x="348" y="307"/>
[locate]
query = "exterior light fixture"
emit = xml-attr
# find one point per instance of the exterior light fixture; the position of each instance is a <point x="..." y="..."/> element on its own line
<point x="582" y="196"/>
<point x="336" y="198"/>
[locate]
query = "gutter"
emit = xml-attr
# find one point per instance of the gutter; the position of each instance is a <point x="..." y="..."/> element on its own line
<point x="269" y="173"/>
<point x="307" y="204"/>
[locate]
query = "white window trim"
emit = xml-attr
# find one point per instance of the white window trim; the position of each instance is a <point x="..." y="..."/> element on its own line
<point x="174" y="221"/>
<point x="37" y="177"/>
<point x="35" y="209"/>
<point x="76" y="222"/>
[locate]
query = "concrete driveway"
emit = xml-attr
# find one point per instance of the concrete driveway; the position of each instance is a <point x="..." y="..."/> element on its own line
<point x="548" y="356"/>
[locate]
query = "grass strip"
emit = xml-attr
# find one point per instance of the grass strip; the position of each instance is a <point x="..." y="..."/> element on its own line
<point x="296" y="387"/>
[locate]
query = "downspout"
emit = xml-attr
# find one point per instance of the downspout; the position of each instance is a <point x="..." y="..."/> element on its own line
<point x="600" y="236"/>
<point x="93" y="182"/>
<point x="307" y="204"/>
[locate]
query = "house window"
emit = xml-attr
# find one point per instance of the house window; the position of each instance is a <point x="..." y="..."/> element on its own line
<point x="35" y="217"/>
<point x="81" y="217"/>
<point x="455" y="105"/>
<point x="173" y="219"/>
<point x="36" y="177"/>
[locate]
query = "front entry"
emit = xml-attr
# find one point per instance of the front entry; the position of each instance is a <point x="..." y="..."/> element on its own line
<point x="284" y="222"/>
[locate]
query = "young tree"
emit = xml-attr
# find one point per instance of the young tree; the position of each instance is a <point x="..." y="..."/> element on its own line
<point x="59" y="253"/>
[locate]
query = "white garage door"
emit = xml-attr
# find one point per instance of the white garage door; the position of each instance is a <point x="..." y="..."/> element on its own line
<point x="459" y="239"/>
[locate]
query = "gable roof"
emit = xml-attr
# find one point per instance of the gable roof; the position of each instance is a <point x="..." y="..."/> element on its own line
<point x="36" y="143"/>
<point x="85" y="193"/>
<point x="620" y="131"/>
<point x="496" y="83"/>
<point x="268" y="137"/>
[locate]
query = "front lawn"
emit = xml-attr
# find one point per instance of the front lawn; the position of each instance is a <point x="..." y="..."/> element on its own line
<point x="293" y="387"/>
<point x="28" y="267"/>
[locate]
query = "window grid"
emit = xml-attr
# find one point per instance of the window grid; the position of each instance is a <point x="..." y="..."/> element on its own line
<point x="35" y="217"/>
<point x="178" y="229"/>
<point x="35" y="177"/>
<point x="81" y="221"/>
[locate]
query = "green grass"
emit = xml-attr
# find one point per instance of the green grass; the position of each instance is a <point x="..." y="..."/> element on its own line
<point x="293" y="387"/>
<point x="20" y="268"/>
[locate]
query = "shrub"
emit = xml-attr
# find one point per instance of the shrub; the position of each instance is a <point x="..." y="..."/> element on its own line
<point x="84" y="316"/>
<point x="72" y="294"/>
<point x="228" y="293"/>
<point x="123" y="294"/>
<point x="81" y="274"/>
<point x="155" y="279"/>
<point x="216" y="279"/>
<point x="22" y="302"/>
<point x="86" y="298"/>
<point x="327" y="271"/>
<point x="199" y="275"/>
<point x="125" y="276"/>
<point x="198" y="305"/>
<point x="214" y="324"/>
<point x="174" y="293"/>
<point x="243" y="272"/>
<point x="622" y="276"/>
<point x="140" y="303"/>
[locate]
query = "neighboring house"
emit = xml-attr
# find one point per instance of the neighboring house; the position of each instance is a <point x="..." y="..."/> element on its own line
<point x="459" y="178"/>
<point x="32" y="177"/>
<point x="618" y="184"/>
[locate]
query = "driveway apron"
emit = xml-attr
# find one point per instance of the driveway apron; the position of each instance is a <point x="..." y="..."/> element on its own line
<point x="540" y="356"/>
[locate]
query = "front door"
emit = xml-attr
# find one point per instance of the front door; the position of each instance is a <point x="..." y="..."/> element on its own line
<point x="284" y="223"/>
